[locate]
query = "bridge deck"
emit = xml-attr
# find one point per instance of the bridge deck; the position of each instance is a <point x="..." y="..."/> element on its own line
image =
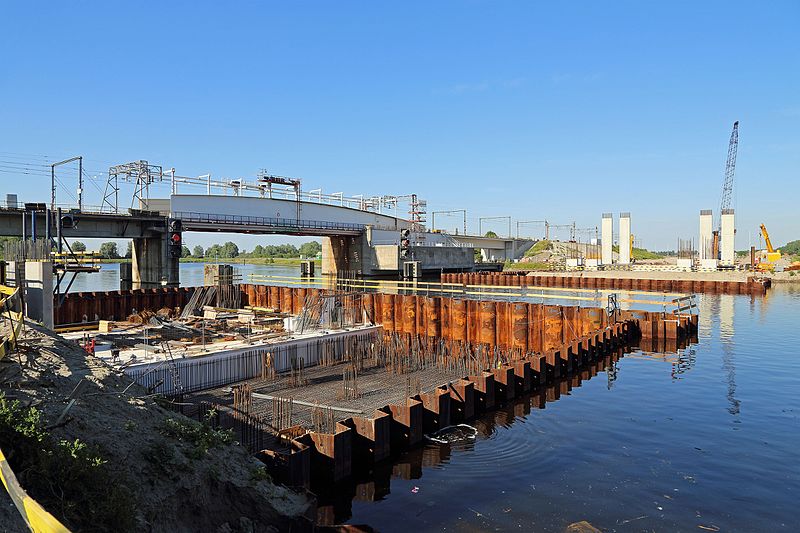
<point x="253" y="224"/>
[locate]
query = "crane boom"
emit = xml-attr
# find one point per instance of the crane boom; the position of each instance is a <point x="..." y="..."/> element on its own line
<point x="764" y="232"/>
<point x="730" y="168"/>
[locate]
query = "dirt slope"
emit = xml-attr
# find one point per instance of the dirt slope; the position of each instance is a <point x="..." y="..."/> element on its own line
<point x="175" y="485"/>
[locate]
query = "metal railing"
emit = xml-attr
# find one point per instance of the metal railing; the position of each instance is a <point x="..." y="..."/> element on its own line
<point x="246" y="220"/>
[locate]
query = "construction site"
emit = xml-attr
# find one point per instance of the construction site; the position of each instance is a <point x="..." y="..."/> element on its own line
<point x="321" y="382"/>
<point x="407" y="336"/>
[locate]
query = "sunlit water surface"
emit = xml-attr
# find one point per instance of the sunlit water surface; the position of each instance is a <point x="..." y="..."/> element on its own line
<point x="708" y="443"/>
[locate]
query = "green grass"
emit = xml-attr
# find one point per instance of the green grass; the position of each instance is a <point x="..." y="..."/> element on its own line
<point x="639" y="253"/>
<point x="201" y="436"/>
<point x="539" y="247"/>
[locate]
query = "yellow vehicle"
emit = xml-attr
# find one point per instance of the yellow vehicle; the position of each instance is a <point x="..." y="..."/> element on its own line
<point x="770" y="256"/>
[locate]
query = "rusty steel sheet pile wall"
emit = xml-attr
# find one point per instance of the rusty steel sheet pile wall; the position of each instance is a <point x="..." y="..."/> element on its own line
<point x="80" y="307"/>
<point x="520" y="347"/>
<point x="516" y="279"/>
<point x="505" y="349"/>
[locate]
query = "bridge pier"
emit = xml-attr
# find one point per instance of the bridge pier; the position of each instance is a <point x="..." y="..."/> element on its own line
<point x="342" y="254"/>
<point x="152" y="263"/>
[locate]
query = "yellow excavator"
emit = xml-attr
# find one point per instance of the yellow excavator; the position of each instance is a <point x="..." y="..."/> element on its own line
<point x="768" y="257"/>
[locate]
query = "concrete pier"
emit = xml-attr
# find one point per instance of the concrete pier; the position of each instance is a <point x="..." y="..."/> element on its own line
<point x="607" y="238"/>
<point x="39" y="292"/>
<point x="624" y="239"/>
<point x="153" y="264"/>
<point x="727" y="253"/>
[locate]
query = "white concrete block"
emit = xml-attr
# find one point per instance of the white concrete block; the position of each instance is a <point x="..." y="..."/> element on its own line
<point x="727" y="251"/>
<point x="624" y="238"/>
<point x="607" y="238"/>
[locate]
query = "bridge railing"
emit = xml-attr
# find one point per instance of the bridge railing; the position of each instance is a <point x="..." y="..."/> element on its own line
<point x="451" y="242"/>
<point x="247" y="220"/>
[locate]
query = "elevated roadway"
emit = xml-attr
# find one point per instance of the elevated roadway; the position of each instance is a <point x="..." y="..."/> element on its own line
<point x="496" y="248"/>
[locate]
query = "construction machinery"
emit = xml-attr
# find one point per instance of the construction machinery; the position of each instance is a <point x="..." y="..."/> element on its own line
<point x="767" y="258"/>
<point x="727" y="186"/>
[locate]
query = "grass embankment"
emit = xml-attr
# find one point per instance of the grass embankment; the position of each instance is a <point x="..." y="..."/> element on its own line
<point x="539" y="247"/>
<point x="640" y="254"/>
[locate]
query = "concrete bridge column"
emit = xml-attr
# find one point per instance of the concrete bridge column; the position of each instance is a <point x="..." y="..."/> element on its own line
<point x="152" y="263"/>
<point x="340" y="254"/>
<point x="38" y="291"/>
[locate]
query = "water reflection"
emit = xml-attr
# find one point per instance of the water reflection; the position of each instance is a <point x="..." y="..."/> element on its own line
<point x="681" y="355"/>
<point x="726" y="331"/>
<point x="191" y="275"/>
<point x="374" y="483"/>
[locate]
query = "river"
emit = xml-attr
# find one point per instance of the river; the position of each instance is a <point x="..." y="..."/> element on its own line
<point x="705" y="440"/>
<point x="191" y="275"/>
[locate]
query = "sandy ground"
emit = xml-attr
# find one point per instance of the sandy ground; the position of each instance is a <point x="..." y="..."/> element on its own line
<point x="219" y="491"/>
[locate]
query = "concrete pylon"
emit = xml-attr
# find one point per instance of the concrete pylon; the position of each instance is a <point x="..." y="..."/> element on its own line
<point x="706" y="241"/>
<point x="151" y="264"/>
<point x="727" y="251"/>
<point x="39" y="292"/>
<point x="606" y="238"/>
<point x="624" y="238"/>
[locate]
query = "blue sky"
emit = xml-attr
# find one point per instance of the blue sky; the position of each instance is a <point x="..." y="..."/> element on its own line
<point x="560" y="111"/>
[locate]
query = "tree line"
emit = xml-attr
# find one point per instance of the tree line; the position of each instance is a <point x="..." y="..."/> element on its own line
<point x="227" y="250"/>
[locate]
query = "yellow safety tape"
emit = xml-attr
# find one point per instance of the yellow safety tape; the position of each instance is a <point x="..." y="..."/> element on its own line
<point x="37" y="518"/>
<point x="40" y="520"/>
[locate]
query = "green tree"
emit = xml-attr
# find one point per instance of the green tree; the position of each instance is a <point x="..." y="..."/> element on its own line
<point x="491" y="234"/>
<point x="108" y="250"/>
<point x="791" y="248"/>
<point x="310" y="249"/>
<point x="198" y="251"/>
<point x="129" y="250"/>
<point x="78" y="246"/>
<point x="229" y="250"/>
<point x="214" y="251"/>
<point x="185" y="251"/>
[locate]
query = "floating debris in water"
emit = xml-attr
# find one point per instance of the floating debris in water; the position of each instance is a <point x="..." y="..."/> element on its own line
<point x="453" y="434"/>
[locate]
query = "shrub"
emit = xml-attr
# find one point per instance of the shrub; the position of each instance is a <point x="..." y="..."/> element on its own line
<point x="70" y="479"/>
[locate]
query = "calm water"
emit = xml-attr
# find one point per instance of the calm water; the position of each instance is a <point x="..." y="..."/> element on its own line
<point x="711" y="441"/>
<point x="191" y="275"/>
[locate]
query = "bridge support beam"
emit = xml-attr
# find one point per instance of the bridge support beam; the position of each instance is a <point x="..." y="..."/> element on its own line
<point x="152" y="265"/>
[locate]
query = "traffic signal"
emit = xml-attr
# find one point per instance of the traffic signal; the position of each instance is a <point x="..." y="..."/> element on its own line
<point x="405" y="243"/>
<point x="175" y="238"/>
